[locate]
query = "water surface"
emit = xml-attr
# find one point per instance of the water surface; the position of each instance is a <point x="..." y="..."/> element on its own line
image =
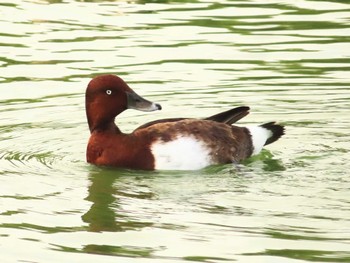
<point x="287" y="60"/>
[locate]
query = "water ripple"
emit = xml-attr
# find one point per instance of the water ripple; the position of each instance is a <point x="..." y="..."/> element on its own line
<point x="287" y="60"/>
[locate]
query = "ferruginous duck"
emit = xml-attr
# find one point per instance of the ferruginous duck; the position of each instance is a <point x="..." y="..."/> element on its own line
<point x="166" y="144"/>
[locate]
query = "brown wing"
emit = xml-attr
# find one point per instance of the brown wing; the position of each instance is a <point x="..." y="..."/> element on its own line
<point x="228" y="117"/>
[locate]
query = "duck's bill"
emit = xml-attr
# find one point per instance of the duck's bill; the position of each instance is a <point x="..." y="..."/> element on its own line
<point x="136" y="102"/>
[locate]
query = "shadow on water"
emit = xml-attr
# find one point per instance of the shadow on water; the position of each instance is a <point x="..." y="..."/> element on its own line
<point x="104" y="190"/>
<point x="106" y="213"/>
<point x="101" y="217"/>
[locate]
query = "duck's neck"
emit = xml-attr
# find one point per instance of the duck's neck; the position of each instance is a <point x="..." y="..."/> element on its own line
<point x="109" y="127"/>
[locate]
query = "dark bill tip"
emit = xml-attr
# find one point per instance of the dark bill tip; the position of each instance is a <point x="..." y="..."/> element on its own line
<point x="138" y="103"/>
<point x="159" y="107"/>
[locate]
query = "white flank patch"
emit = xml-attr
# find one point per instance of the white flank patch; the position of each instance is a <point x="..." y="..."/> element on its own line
<point x="259" y="137"/>
<point x="183" y="153"/>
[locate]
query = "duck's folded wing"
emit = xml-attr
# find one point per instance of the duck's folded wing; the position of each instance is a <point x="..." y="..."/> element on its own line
<point x="229" y="117"/>
<point x="159" y="121"/>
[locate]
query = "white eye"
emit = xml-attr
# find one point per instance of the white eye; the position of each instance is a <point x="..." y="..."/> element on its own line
<point x="109" y="92"/>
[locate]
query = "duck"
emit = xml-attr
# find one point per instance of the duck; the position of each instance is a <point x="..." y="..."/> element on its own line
<point x="166" y="144"/>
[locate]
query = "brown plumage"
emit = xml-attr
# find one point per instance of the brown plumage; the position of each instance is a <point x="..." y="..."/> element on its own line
<point x="201" y="142"/>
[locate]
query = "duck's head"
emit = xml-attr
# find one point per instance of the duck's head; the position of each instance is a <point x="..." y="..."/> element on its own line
<point x="107" y="96"/>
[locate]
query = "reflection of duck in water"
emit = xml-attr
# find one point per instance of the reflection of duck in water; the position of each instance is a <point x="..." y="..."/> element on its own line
<point x="101" y="217"/>
<point x="103" y="214"/>
<point x="169" y="144"/>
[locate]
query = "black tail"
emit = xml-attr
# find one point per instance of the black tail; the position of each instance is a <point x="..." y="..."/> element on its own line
<point x="276" y="129"/>
<point x="230" y="116"/>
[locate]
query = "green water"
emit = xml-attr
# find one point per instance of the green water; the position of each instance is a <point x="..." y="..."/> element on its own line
<point x="287" y="60"/>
